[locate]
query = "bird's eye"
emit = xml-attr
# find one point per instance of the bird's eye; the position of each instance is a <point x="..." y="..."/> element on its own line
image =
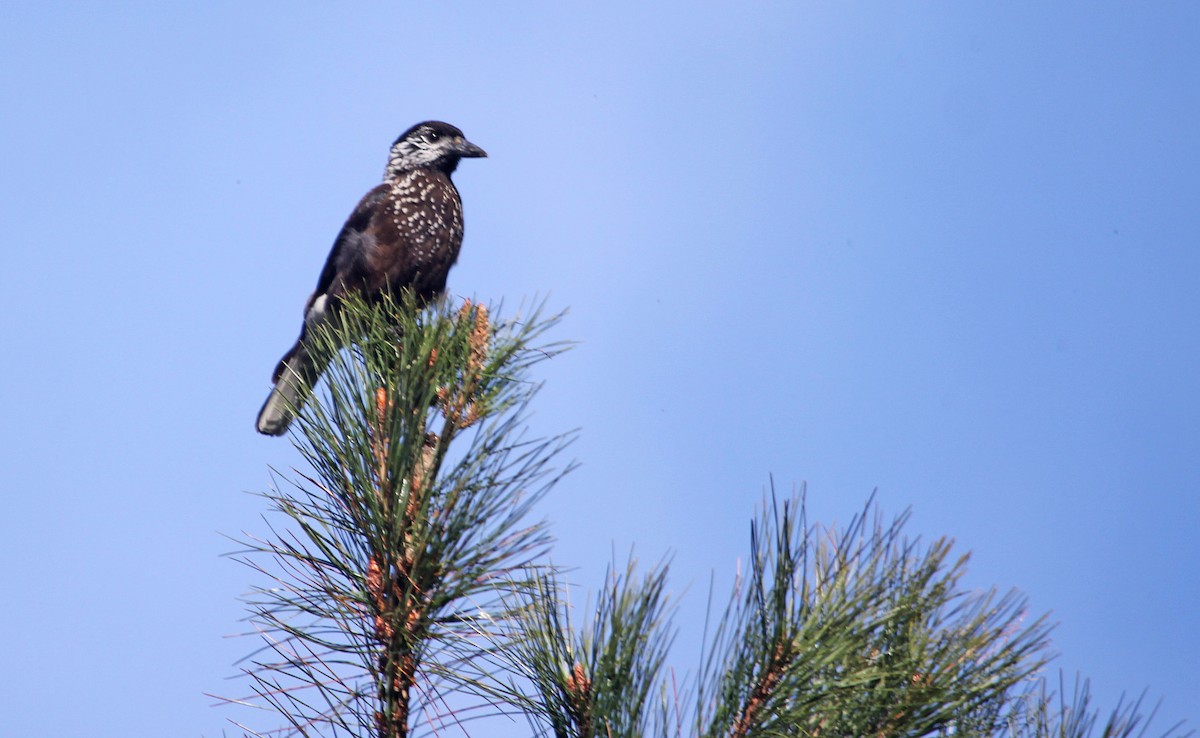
<point x="432" y="136"/>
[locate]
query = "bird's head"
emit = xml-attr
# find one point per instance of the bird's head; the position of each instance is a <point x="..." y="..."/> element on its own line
<point x="430" y="144"/>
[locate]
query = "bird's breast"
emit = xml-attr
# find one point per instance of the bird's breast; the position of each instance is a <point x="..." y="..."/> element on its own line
<point x="420" y="231"/>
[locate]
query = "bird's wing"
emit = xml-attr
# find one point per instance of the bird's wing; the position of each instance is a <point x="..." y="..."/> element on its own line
<point x="346" y="256"/>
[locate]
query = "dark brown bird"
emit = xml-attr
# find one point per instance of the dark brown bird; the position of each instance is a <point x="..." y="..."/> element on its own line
<point x="405" y="233"/>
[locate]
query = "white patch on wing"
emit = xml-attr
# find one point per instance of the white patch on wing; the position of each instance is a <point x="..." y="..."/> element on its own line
<point x="316" y="312"/>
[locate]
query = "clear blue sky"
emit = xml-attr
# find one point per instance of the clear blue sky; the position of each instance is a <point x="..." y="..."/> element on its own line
<point x="949" y="250"/>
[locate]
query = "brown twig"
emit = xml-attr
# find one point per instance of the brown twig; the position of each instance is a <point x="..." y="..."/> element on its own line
<point x="767" y="682"/>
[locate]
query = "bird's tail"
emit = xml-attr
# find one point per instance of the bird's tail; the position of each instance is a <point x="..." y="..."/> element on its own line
<point x="294" y="378"/>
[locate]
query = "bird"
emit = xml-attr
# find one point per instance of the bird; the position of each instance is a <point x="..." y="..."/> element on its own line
<point x="404" y="234"/>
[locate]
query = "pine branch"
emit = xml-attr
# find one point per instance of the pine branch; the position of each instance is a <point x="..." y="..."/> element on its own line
<point x="858" y="632"/>
<point x="597" y="680"/>
<point x="389" y="581"/>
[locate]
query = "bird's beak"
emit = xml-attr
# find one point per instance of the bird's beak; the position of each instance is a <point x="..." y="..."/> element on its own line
<point x="467" y="149"/>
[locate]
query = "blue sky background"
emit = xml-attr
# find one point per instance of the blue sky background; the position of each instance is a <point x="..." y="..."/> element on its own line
<point x="948" y="250"/>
